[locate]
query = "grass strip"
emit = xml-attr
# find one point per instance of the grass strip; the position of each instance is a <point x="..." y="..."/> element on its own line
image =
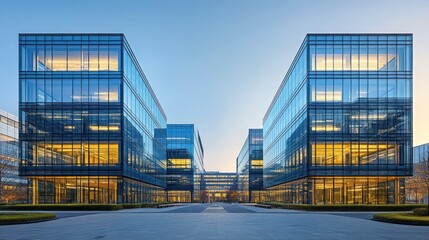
<point x="24" y="217"/>
<point x="402" y="218"/>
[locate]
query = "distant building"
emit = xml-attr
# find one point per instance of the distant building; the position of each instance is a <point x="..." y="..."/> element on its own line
<point x="185" y="163"/>
<point x="12" y="187"/>
<point x="219" y="187"/>
<point x="339" y="129"/>
<point x="250" y="168"/>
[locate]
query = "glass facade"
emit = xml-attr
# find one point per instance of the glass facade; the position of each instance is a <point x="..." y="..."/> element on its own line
<point x="219" y="186"/>
<point x="185" y="163"/>
<point x="250" y="168"/>
<point x="421" y="153"/>
<point x="91" y="128"/>
<point x="339" y="129"/>
<point x="13" y="189"/>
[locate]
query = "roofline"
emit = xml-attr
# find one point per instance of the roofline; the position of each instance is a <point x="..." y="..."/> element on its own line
<point x="289" y="71"/>
<point x="300" y="48"/>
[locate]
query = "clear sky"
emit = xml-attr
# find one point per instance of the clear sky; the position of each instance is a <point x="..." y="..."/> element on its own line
<point x="217" y="63"/>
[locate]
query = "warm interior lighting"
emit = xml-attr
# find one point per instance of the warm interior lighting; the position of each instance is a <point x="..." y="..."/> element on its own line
<point x="352" y="154"/>
<point x="77" y="154"/>
<point x="103" y="128"/>
<point x="179" y="163"/>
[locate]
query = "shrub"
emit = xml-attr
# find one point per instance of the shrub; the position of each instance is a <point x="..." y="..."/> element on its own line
<point x="420" y="211"/>
<point x="346" y="207"/>
<point x="403" y="218"/>
<point x="15" y="218"/>
<point x="62" y="207"/>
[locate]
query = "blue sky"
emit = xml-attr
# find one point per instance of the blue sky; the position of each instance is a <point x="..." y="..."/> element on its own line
<point x="217" y="64"/>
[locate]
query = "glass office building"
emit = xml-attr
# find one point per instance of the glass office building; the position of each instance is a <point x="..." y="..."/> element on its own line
<point x="339" y="130"/>
<point x="91" y="127"/>
<point x="219" y="186"/>
<point x="421" y="153"/>
<point x="13" y="189"/>
<point x="185" y="163"/>
<point x="250" y="168"/>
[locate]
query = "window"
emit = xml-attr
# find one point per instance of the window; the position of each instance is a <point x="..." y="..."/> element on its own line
<point x="74" y="58"/>
<point x="59" y="58"/>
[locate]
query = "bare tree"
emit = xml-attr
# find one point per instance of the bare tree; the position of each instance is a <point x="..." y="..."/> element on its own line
<point x="12" y="188"/>
<point x="421" y="175"/>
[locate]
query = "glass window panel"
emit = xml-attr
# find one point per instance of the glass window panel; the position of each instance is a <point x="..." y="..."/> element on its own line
<point x="93" y="90"/>
<point x="74" y="57"/>
<point x="363" y="58"/>
<point x="382" y="88"/>
<point x="337" y="94"/>
<point x="114" y="57"/>
<point x="77" y="90"/>
<point x="391" y="88"/>
<point x="355" y="58"/>
<point x="320" y="58"/>
<point x="401" y="59"/>
<point x="329" y="58"/>
<point x="114" y="90"/>
<point x="372" y="58"/>
<point x="40" y="58"/>
<point x="104" y="58"/>
<point x="48" y="58"/>
<point x="409" y="58"/>
<point x="382" y="57"/>
<point x="85" y="93"/>
<point x="320" y="90"/>
<point x="346" y="90"/>
<point x="401" y="88"/>
<point x="93" y="58"/>
<point x="372" y="88"/>
<point x="391" y="58"/>
<point x="103" y="93"/>
<point x="59" y="58"/>
<point x="30" y="90"/>
<point x="40" y="90"/>
<point x="346" y="58"/>
<point x="67" y="90"/>
<point x="363" y="88"/>
<point x="56" y="90"/>
<point x="30" y="58"/>
<point x="85" y="58"/>
<point x="48" y="90"/>
<point x="338" y="58"/>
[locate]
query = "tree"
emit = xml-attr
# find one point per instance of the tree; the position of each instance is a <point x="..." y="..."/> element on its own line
<point x="421" y="175"/>
<point x="204" y="196"/>
<point x="232" y="196"/>
<point x="12" y="188"/>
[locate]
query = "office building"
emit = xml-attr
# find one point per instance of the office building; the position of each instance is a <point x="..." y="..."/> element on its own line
<point x="91" y="127"/>
<point x="250" y="168"/>
<point x="219" y="187"/>
<point x="339" y="129"/>
<point x="185" y="163"/>
<point x="13" y="189"/>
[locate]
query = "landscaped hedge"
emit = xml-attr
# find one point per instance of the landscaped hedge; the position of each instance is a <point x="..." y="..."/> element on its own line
<point x="77" y="207"/>
<point x="403" y="218"/>
<point x="347" y="207"/>
<point x="420" y="211"/>
<point x="15" y="218"/>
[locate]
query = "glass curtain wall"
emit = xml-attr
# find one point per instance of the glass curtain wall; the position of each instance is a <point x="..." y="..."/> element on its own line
<point x="359" y="111"/>
<point x="185" y="163"/>
<point x="88" y="116"/>
<point x="250" y="168"/>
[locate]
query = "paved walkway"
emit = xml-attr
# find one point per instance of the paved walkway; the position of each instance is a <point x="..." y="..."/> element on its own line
<point x="213" y="221"/>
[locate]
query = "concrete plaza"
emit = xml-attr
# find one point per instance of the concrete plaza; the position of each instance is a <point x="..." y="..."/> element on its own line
<point x="212" y="221"/>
